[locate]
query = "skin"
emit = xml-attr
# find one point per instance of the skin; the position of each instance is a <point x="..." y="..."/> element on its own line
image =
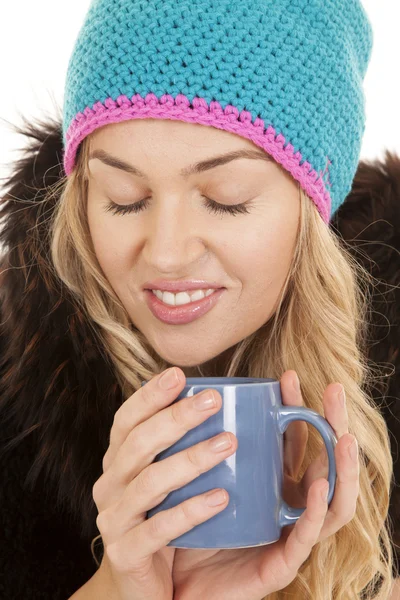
<point x="176" y="236"/>
<point x="396" y="590"/>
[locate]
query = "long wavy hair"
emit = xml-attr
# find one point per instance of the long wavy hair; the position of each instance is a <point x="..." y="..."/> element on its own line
<point x="319" y="328"/>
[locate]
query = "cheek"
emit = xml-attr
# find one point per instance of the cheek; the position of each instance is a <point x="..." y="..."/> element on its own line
<point x="266" y="251"/>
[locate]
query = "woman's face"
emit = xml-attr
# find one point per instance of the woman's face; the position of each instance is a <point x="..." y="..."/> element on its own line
<point x="176" y="237"/>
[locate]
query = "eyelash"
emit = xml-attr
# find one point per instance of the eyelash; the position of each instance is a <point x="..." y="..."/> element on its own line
<point x="211" y="205"/>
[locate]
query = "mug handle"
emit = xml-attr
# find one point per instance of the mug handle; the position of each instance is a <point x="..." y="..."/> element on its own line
<point x="286" y="414"/>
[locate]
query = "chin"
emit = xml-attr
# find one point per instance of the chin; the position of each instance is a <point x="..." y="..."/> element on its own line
<point x="184" y="362"/>
<point x="183" y="357"/>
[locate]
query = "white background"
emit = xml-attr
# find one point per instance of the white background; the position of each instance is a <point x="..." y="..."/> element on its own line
<point x="37" y="38"/>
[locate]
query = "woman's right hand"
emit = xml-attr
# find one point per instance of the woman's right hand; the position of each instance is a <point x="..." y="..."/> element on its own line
<point x="136" y="562"/>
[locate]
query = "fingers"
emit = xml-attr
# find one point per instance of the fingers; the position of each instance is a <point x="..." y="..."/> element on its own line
<point x="335" y="413"/>
<point x="139" y="407"/>
<point x="133" y="484"/>
<point x="141" y="445"/>
<point x="335" y="410"/>
<point x="155" y="482"/>
<point x="305" y="532"/>
<point x="343" y="506"/>
<point x="155" y="533"/>
<point x="344" y="502"/>
<point x="296" y="435"/>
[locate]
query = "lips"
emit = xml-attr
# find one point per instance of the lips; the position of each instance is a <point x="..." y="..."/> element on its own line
<point x="184" y="313"/>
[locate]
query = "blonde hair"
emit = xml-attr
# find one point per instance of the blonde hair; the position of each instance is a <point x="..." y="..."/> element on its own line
<point x="319" y="329"/>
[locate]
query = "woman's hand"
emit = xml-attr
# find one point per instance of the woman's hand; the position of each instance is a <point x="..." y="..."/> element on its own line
<point x="137" y="564"/>
<point x="253" y="573"/>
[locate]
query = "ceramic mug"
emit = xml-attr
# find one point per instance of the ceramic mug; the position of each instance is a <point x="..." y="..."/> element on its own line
<point x="252" y="409"/>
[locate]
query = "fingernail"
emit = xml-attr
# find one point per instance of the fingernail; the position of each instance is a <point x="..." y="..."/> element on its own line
<point x="215" y="497"/>
<point x="296" y="383"/>
<point x="342" y="397"/>
<point x="353" y="450"/>
<point x="220" y="443"/>
<point x="205" y="401"/>
<point x="169" y="379"/>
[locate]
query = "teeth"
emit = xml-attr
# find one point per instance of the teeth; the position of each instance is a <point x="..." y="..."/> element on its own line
<point x="181" y="297"/>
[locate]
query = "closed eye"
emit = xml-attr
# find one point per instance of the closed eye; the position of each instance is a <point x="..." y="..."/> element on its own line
<point x="211" y="205"/>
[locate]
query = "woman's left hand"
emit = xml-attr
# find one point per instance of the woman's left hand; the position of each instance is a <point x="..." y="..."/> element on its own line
<point x="253" y="573"/>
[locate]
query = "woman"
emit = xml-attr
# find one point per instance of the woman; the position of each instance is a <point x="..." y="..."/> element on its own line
<point x="79" y="332"/>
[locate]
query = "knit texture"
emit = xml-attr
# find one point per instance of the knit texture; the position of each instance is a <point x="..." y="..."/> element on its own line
<point x="285" y="74"/>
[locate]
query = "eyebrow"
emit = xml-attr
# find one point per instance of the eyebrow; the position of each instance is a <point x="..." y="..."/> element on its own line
<point x="200" y="167"/>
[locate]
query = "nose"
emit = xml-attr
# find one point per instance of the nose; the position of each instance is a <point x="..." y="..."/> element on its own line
<point x="173" y="238"/>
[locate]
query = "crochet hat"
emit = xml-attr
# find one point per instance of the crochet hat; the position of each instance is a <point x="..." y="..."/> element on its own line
<point x="285" y="74"/>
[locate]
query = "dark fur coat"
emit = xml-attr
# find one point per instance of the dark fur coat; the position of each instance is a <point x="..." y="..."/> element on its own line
<point x="58" y="395"/>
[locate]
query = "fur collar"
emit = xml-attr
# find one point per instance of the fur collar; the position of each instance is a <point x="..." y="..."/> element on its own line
<point x="58" y="395"/>
<point x="369" y="220"/>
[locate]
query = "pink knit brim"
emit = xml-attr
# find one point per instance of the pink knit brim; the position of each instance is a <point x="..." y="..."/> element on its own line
<point x="198" y="111"/>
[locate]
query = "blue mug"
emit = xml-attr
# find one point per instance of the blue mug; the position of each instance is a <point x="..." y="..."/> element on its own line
<point x="252" y="409"/>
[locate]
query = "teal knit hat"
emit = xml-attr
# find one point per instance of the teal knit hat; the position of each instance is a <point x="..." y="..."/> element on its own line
<point x="285" y="74"/>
